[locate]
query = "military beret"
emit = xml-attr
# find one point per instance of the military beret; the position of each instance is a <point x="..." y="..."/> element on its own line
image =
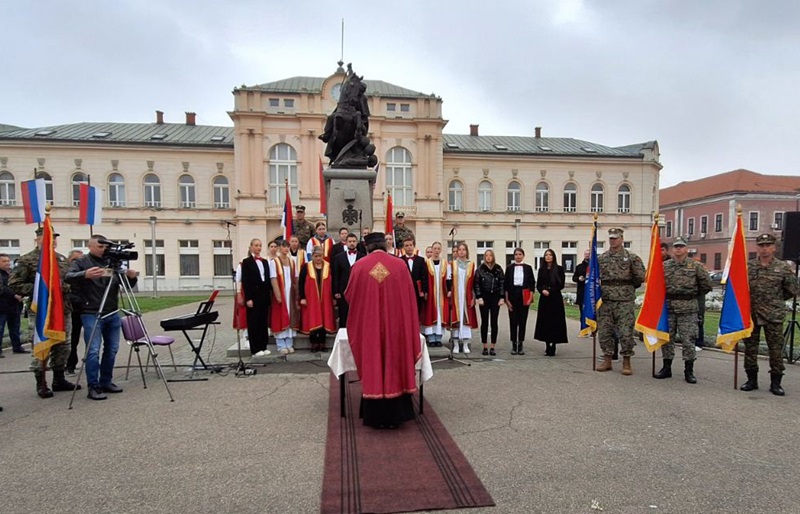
<point x="765" y="239"/>
<point x="300" y="208"/>
<point x="615" y="232"/>
<point x="679" y="241"/>
<point x="40" y="231"/>
<point x="374" y="237"/>
<point x="400" y="214"/>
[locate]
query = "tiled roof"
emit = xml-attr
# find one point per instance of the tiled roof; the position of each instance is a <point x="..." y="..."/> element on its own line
<point x="736" y="181"/>
<point x="562" y="146"/>
<point x="8" y="128"/>
<point x="313" y="85"/>
<point x="129" y="133"/>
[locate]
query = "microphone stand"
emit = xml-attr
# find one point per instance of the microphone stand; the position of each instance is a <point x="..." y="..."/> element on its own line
<point x="455" y="332"/>
<point x="242" y="369"/>
<point x="788" y="334"/>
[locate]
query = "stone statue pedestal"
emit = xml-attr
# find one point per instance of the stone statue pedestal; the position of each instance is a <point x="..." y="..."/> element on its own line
<point x="349" y="194"/>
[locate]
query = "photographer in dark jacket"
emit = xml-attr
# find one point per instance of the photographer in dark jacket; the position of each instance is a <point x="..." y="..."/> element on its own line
<point x="489" y="288"/>
<point x="89" y="276"/>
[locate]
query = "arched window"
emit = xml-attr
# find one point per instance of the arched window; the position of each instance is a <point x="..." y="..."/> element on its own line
<point x="48" y="186"/>
<point x="570" y="197"/>
<point x="542" y="197"/>
<point x="186" y="187"/>
<point x="398" y="176"/>
<point x="455" y="196"/>
<point x="597" y="198"/>
<point x="8" y="191"/>
<point x="282" y="167"/>
<point x="222" y="197"/>
<point x="514" y="196"/>
<point x="77" y="180"/>
<point x="152" y="191"/>
<point x="116" y="190"/>
<point x="485" y="196"/>
<point x="624" y="198"/>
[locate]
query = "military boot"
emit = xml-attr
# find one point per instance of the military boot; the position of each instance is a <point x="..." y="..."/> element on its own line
<point x="514" y="348"/>
<point x="688" y="372"/>
<point x="606" y="365"/>
<point x="626" y="365"/>
<point x="41" y="385"/>
<point x="775" y="385"/>
<point x="62" y="384"/>
<point x="752" y="380"/>
<point x="666" y="370"/>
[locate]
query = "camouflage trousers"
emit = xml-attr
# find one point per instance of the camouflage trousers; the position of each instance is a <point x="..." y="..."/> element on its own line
<point x="685" y="325"/>
<point x="620" y="316"/>
<point x="774" y="334"/>
<point x="59" y="353"/>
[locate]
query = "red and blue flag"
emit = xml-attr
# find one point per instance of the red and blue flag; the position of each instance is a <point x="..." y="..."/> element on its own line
<point x="91" y="205"/>
<point x="653" y="320"/>
<point x="735" y="321"/>
<point x="33" y="200"/>
<point x="48" y="302"/>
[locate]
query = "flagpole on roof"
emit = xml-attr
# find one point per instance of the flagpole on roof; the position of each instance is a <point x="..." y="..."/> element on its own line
<point x="39" y="224"/>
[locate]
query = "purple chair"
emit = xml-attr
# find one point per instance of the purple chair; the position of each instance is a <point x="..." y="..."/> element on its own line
<point x="134" y="333"/>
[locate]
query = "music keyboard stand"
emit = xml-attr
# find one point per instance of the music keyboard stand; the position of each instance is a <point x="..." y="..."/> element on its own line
<point x="203" y="309"/>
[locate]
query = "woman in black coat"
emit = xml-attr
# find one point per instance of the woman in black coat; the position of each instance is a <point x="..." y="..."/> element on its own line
<point x="519" y="288"/>
<point x="256" y="287"/>
<point x="551" y="321"/>
<point x="489" y="288"/>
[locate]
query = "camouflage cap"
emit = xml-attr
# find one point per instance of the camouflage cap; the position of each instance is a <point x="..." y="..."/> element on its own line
<point x="615" y="233"/>
<point x="765" y="239"/>
<point x="298" y="208"/>
<point x="679" y="241"/>
<point x="40" y="231"/>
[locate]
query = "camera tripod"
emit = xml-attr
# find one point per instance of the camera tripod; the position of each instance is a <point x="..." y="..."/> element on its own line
<point x="793" y="326"/>
<point x="117" y="273"/>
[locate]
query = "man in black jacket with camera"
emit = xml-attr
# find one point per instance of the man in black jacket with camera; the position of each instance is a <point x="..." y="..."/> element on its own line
<point x="90" y="276"/>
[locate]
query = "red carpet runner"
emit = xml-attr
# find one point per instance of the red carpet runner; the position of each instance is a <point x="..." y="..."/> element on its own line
<point x="415" y="467"/>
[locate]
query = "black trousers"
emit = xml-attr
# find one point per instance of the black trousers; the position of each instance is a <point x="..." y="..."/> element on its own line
<point x="489" y="312"/>
<point x="75" y="339"/>
<point x="343" y="308"/>
<point x="517" y="315"/>
<point x="257" y="321"/>
<point x="317" y="338"/>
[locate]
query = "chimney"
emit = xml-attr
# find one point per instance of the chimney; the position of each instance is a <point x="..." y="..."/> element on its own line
<point x="191" y="119"/>
<point x="538" y="132"/>
<point x="473" y="130"/>
<point x="159" y="117"/>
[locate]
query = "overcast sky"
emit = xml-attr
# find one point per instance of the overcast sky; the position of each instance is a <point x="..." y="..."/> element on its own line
<point x="714" y="81"/>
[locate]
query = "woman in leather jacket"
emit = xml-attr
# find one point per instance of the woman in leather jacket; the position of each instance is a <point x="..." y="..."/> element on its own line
<point x="489" y="288"/>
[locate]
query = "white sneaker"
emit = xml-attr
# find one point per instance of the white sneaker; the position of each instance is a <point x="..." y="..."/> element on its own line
<point x="698" y="349"/>
<point x="466" y="348"/>
<point x="283" y="351"/>
<point x="455" y="347"/>
<point x="291" y="349"/>
<point x="262" y="353"/>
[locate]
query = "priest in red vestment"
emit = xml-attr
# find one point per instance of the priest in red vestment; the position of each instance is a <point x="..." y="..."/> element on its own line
<point x="383" y="331"/>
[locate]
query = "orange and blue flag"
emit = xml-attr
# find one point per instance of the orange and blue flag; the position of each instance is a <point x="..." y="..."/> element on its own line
<point x="592" y="296"/>
<point x="735" y="321"/>
<point x="33" y="200"/>
<point x="91" y="202"/>
<point x="48" y="302"/>
<point x="653" y="320"/>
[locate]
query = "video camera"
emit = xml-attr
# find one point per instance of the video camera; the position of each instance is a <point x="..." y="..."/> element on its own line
<point x="117" y="251"/>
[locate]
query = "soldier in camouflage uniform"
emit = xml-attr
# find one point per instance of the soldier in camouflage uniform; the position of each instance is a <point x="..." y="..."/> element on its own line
<point x="303" y="228"/>
<point x="401" y="232"/>
<point x="21" y="282"/>
<point x="621" y="272"/>
<point x="772" y="282"/>
<point x="686" y="281"/>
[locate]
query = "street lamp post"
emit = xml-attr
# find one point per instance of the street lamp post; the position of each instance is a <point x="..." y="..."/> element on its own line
<point x="154" y="260"/>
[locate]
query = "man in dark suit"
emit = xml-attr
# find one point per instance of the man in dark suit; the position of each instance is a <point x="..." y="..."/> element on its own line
<point x="340" y="275"/>
<point x="417" y="268"/>
<point x="341" y="246"/>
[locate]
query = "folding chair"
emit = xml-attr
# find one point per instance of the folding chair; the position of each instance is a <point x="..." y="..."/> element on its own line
<point x="134" y="333"/>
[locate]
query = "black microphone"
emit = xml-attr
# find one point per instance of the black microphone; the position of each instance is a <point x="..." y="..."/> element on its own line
<point x="229" y="223"/>
<point x="452" y="231"/>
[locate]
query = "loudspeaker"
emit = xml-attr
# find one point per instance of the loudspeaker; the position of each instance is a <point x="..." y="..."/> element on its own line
<point x="791" y="236"/>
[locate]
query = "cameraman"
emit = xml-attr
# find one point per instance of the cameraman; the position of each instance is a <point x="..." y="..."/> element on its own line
<point x="90" y="276"/>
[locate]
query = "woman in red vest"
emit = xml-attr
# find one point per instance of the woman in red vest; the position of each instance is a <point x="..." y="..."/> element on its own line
<point x="316" y="300"/>
<point x="284" y="315"/>
<point x="434" y="313"/>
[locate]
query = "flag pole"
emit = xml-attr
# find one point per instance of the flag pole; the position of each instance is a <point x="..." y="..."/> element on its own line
<point x="594" y="350"/>
<point x="736" y="365"/>
<point x="89" y="183"/>
<point x="39" y="224"/>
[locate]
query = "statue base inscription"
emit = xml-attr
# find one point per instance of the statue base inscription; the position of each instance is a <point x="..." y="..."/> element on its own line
<point x="349" y="193"/>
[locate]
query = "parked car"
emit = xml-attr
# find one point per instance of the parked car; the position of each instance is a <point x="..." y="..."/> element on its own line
<point x="716" y="277"/>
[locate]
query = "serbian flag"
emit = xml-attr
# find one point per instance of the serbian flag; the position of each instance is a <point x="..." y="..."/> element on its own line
<point x="33" y="200"/>
<point x="286" y="218"/>
<point x="592" y="298"/>
<point x="389" y="225"/>
<point x="91" y="210"/>
<point x="323" y="193"/>
<point x="735" y="322"/>
<point x="653" y="320"/>
<point x="47" y="303"/>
